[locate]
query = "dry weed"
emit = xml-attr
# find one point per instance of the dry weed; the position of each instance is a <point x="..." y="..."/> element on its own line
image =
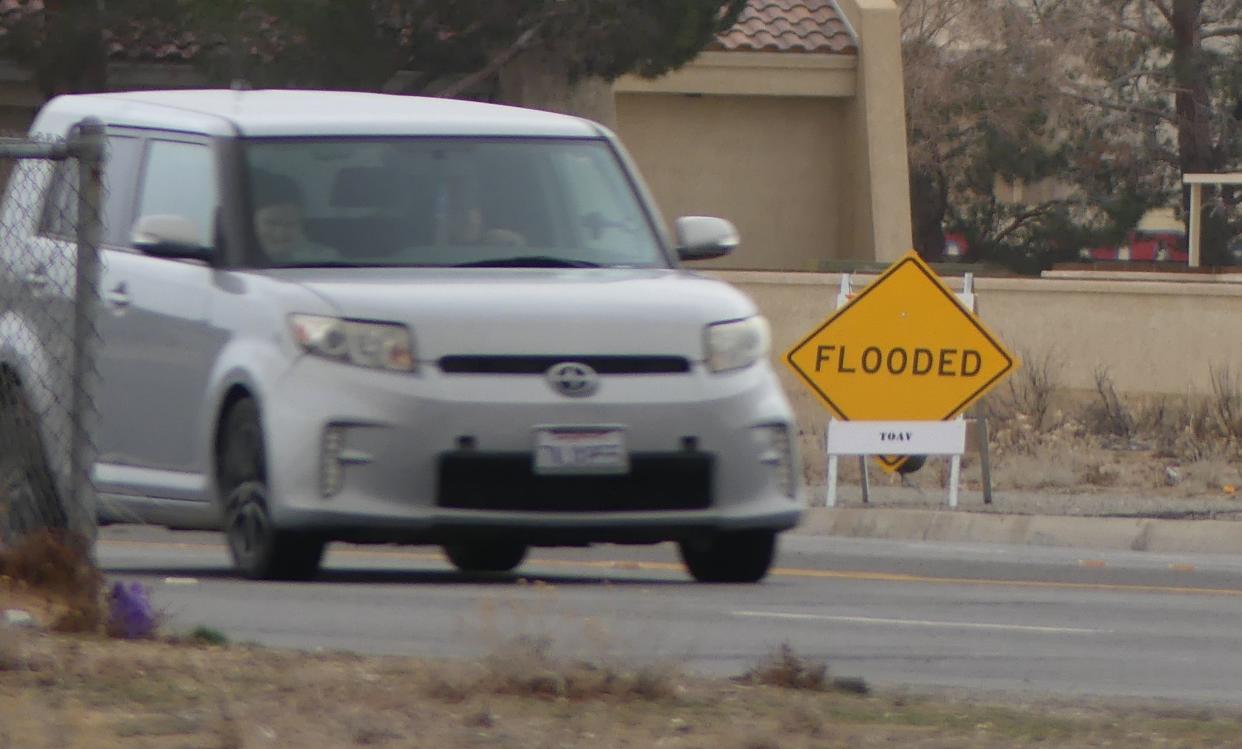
<point x="455" y="686"/>
<point x="58" y="565"/>
<point x="786" y="669"/>
<point x="1029" y="392"/>
<point x="527" y="667"/>
<point x="1189" y="430"/>
<point x="1097" y="474"/>
<point x="1043" y="469"/>
<point x="1109" y="415"/>
<point x="1211" y="474"/>
<point x="1227" y="401"/>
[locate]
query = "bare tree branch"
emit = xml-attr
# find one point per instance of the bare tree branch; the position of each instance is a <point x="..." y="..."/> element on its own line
<point x="1020" y="220"/>
<point x="1127" y="108"/>
<point x="498" y="61"/>
<point x="1222" y="31"/>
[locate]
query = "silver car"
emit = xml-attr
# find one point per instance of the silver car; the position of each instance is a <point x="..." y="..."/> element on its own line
<point x="385" y="319"/>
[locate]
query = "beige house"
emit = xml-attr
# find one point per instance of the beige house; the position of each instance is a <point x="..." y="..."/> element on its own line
<point x="793" y="126"/>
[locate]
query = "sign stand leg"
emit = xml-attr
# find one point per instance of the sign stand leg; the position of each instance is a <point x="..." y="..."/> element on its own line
<point x="985" y="462"/>
<point x="831" y="499"/>
<point x="865" y="479"/>
<point x="955" y="471"/>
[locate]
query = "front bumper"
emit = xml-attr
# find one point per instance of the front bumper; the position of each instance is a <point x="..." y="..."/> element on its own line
<point x="393" y="436"/>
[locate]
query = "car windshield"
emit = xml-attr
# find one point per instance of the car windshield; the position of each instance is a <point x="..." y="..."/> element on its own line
<point x="444" y="202"/>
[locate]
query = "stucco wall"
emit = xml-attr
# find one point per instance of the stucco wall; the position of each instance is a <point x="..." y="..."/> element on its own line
<point x="875" y="139"/>
<point x="1152" y="337"/>
<point x="772" y="165"/>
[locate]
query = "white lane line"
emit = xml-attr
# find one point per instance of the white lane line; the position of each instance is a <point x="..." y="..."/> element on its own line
<point x="918" y="623"/>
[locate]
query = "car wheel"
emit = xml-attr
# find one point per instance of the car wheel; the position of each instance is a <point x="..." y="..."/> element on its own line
<point x="486" y="556"/>
<point x="736" y="557"/>
<point x="28" y="499"/>
<point x="259" y="550"/>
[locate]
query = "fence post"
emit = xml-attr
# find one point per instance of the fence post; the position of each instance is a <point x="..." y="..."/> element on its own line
<point x="88" y="147"/>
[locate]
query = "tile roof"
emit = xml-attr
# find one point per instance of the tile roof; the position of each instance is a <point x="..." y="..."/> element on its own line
<point x="789" y="26"/>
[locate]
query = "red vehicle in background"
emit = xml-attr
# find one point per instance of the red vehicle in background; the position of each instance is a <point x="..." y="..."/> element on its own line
<point x="956" y="248"/>
<point x="1143" y="246"/>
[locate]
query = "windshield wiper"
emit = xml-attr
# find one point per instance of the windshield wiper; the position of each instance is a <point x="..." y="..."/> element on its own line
<point x="529" y="261"/>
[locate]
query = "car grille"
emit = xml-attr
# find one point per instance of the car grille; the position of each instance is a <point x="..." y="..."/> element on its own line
<point x="470" y="480"/>
<point x="535" y="365"/>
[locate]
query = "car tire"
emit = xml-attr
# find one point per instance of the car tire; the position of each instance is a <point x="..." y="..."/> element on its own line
<point x="259" y="550"/>
<point x="486" y="556"/>
<point x="734" y="557"/>
<point x="28" y="498"/>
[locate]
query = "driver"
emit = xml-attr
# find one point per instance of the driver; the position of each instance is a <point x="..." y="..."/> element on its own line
<point x="279" y="224"/>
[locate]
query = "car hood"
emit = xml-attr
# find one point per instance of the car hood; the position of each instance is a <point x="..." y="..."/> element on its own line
<point x="533" y="311"/>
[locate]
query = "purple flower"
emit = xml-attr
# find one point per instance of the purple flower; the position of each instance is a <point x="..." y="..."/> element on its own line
<point x="130" y="615"/>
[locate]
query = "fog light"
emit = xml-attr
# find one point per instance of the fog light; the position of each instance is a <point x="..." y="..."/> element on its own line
<point x="776" y="451"/>
<point x="331" y="468"/>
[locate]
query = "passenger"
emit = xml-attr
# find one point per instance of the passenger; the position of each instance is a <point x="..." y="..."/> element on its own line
<point x="279" y="224"/>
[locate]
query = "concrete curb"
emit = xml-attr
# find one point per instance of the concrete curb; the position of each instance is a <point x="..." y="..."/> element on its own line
<point x="1136" y="534"/>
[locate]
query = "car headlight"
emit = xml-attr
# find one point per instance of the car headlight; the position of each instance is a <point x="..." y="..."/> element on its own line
<point x="737" y="343"/>
<point x="378" y="345"/>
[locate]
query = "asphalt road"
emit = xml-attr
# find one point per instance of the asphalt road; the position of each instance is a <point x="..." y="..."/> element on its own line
<point x="1024" y="620"/>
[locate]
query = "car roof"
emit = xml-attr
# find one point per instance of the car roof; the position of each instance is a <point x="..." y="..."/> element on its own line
<point x="286" y="112"/>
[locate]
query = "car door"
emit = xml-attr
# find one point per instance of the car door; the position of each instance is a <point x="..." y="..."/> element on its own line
<point x="158" y="347"/>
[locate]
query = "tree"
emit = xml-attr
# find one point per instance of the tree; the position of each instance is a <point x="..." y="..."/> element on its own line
<point x="1115" y="99"/>
<point x="61" y="41"/>
<point x="981" y="108"/>
<point x="520" y="51"/>
<point x="1160" y="77"/>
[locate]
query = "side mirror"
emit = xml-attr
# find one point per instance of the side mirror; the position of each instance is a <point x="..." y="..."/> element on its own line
<point x="704" y="237"/>
<point x="170" y="236"/>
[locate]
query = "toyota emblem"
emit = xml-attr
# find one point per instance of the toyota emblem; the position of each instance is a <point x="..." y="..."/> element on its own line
<point x="573" y="379"/>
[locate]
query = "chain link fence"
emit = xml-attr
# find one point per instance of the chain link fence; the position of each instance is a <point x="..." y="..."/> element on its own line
<point x="50" y="225"/>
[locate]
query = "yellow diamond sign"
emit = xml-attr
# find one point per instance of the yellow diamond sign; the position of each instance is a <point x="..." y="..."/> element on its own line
<point x="903" y="349"/>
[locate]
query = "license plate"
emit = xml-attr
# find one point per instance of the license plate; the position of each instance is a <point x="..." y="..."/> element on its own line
<point x="581" y="450"/>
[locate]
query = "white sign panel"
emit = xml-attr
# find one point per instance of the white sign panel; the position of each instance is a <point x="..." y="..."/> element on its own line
<point x="896" y="437"/>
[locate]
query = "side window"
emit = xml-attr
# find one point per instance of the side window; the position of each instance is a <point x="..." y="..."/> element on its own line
<point x="60" y="209"/>
<point x="180" y="179"/>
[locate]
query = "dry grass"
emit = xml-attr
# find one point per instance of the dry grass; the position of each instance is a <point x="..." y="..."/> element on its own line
<point x="1031" y="391"/>
<point x="58" y="568"/>
<point x="786" y="669"/>
<point x="528" y="667"/>
<point x="87" y="691"/>
<point x="1109" y="415"/>
<point x="1227" y="401"/>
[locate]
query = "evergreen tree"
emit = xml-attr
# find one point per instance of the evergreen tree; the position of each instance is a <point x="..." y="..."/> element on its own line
<point x="451" y="47"/>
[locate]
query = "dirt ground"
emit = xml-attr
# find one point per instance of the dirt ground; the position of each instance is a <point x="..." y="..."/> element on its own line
<point x="69" y="691"/>
<point x="1092" y="455"/>
<point x="1083" y="480"/>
